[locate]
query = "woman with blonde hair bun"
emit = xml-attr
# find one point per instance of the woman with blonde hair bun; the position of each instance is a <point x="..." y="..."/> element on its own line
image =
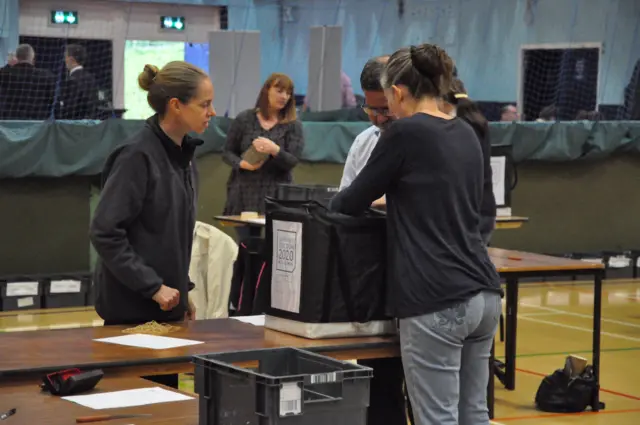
<point x="143" y="225"/>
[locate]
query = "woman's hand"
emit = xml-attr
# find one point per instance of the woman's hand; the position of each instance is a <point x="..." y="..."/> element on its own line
<point x="264" y="145"/>
<point x="250" y="167"/>
<point x="191" y="311"/>
<point x="167" y="298"/>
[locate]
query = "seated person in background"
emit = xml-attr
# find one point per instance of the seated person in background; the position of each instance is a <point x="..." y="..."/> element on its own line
<point x="509" y="113"/>
<point x="548" y="113"/>
<point x="348" y="97"/>
<point x="589" y="116"/>
<point x="442" y="284"/>
<point x="457" y="103"/>
<point x="379" y="115"/>
<point x="273" y="130"/>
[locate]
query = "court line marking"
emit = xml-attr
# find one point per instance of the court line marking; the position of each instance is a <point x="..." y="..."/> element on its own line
<point x="585" y="316"/>
<point x="541" y="313"/>
<point x="559" y="415"/>
<point x="578" y="328"/>
<point x="564" y="353"/>
<point x="628" y="296"/>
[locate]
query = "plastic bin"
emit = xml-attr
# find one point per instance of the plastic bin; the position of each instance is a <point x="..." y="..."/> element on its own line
<point x="20" y="293"/>
<point x="70" y="290"/>
<point x="306" y="192"/>
<point x="287" y="386"/>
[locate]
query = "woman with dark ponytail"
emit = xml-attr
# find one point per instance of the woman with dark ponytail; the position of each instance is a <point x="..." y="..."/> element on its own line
<point x="457" y="103"/>
<point x="442" y="285"/>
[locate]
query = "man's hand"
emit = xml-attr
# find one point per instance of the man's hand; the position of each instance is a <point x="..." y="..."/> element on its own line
<point x="167" y="297"/>
<point x="250" y="167"/>
<point x="191" y="311"/>
<point x="380" y="202"/>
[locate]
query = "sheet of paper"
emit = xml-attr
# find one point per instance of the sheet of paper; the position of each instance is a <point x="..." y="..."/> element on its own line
<point x="262" y="221"/>
<point x="127" y="398"/>
<point x="253" y="320"/>
<point x="155" y="342"/>
<point x="498" y="168"/>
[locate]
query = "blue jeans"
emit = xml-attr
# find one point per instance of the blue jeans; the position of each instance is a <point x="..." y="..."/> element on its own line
<point x="446" y="361"/>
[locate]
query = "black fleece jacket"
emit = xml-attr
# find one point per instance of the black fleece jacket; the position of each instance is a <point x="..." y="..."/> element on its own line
<point x="143" y="226"/>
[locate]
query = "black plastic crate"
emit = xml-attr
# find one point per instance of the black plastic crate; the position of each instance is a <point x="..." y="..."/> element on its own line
<point x="284" y="386"/>
<point x="306" y="192"/>
<point x="20" y="293"/>
<point x="70" y="290"/>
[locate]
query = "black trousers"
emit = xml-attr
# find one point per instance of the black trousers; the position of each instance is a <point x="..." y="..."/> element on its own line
<point x="387" y="405"/>
<point x="171" y="380"/>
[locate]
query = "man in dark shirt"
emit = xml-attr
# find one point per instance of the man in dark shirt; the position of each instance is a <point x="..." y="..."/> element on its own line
<point x="26" y="92"/>
<point x="79" y="91"/>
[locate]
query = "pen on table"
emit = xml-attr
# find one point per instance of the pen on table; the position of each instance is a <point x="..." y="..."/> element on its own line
<point x="7" y="414"/>
<point x="514" y="258"/>
<point x="100" y="418"/>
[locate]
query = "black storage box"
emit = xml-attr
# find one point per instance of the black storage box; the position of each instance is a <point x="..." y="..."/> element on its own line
<point x="324" y="267"/>
<point x="69" y="290"/>
<point x="20" y="293"/>
<point x="288" y="386"/>
<point x="306" y="192"/>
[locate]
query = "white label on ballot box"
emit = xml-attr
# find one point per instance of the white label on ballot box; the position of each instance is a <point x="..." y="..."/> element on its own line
<point x="286" y="275"/>
<point x="499" y="170"/>
<point x="22" y="289"/>
<point x="290" y="399"/>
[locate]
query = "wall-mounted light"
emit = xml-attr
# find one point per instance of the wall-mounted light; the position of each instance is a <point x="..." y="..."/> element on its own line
<point x="176" y="23"/>
<point x="64" y="17"/>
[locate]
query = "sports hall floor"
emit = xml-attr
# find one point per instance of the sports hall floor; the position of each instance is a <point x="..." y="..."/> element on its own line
<point x="554" y="320"/>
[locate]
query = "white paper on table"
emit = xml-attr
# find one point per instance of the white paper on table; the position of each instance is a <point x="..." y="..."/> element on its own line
<point x="155" y="342"/>
<point x="499" y="171"/>
<point x="127" y="398"/>
<point x="253" y="320"/>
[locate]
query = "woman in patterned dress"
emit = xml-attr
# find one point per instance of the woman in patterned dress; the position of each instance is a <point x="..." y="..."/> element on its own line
<point x="272" y="128"/>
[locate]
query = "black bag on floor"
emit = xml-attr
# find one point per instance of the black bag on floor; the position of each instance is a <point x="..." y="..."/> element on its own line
<point x="561" y="393"/>
<point x="324" y="267"/>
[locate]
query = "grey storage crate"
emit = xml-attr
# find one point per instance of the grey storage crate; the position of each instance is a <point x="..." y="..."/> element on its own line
<point x="281" y="386"/>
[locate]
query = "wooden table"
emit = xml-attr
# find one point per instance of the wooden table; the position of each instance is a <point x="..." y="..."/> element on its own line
<point x="28" y="355"/>
<point x="515" y="265"/>
<point x="40" y="408"/>
<point x="31" y="354"/>
<point x="256" y="226"/>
